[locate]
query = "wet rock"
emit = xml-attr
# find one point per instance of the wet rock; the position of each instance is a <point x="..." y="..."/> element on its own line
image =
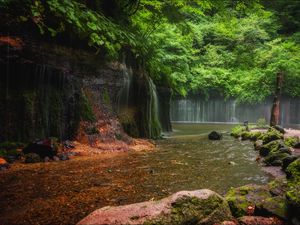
<point x="185" y="207"/>
<point x="215" y="136"/>
<point x="259" y="220"/>
<point x="32" y="158"/>
<point x="3" y="164"/>
<point x="42" y="147"/>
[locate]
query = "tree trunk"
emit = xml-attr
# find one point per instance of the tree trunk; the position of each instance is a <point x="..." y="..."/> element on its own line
<point x="275" y="112"/>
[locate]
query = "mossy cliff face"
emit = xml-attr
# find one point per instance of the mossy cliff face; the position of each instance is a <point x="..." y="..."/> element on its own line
<point x="49" y="90"/>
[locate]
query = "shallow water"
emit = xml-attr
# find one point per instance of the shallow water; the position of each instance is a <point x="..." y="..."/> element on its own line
<point x="62" y="193"/>
<point x="188" y="160"/>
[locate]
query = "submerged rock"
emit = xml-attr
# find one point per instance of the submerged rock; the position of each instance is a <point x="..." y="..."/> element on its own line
<point x="185" y="207"/>
<point x="214" y="135"/>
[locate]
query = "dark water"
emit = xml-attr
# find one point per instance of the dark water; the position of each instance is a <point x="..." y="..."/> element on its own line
<point x="187" y="160"/>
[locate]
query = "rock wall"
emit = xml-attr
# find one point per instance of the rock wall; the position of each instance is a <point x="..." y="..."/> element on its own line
<point x="51" y="90"/>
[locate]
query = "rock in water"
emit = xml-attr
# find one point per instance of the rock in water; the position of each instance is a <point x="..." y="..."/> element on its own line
<point x="185" y="207"/>
<point x="214" y="135"/>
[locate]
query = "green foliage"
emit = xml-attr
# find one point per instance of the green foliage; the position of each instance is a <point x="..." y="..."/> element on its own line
<point x="211" y="47"/>
<point x="261" y="122"/>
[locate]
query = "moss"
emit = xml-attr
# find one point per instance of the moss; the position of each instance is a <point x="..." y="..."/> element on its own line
<point x="269" y="147"/>
<point x="86" y="111"/>
<point x="247" y="135"/>
<point x="271" y="135"/>
<point x="293" y="193"/>
<point x="275" y="158"/>
<point x="237" y="131"/>
<point x="250" y="195"/>
<point x="291" y="141"/>
<point x="106" y="98"/>
<point x="192" y="210"/>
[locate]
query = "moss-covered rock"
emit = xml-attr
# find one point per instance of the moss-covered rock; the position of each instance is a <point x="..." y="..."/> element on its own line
<point x="293" y="193"/>
<point x="291" y="141"/>
<point x="182" y="208"/>
<point x="271" y="135"/>
<point x="270" y="147"/>
<point x="237" y="131"/>
<point x="259" y="197"/>
<point x="275" y="158"/>
<point x="240" y="198"/>
<point x="287" y="161"/>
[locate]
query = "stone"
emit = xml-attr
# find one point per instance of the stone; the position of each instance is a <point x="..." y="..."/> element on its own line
<point x="259" y="220"/>
<point x="184" y="207"/>
<point x="46" y="159"/>
<point x="259" y="197"/>
<point x="280" y="129"/>
<point x="42" y="147"/>
<point x="271" y="135"/>
<point x="272" y="146"/>
<point x="215" y="136"/>
<point x="285" y="150"/>
<point x="63" y="157"/>
<point x="32" y="158"/>
<point x="297" y="145"/>
<point x="3" y="164"/>
<point x="287" y="161"/>
<point x="55" y="158"/>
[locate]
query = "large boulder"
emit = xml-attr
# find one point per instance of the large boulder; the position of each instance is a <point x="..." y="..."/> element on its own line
<point x="258" y="197"/>
<point x="214" y="135"/>
<point x="185" y="207"/>
<point x="43" y="148"/>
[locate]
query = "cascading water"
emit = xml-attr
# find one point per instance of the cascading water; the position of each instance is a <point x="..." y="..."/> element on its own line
<point x="124" y="93"/>
<point x="198" y="110"/>
<point x="153" y="111"/>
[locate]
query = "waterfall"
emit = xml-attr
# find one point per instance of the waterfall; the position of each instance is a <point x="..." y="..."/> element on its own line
<point x="123" y="95"/>
<point x="154" y="126"/>
<point x="199" y="110"/>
